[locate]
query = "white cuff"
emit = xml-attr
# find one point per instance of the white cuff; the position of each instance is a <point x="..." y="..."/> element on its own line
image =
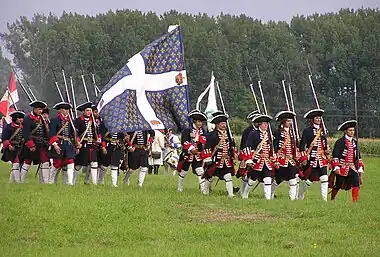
<point x="208" y="159"/>
<point x="191" y="148"/>
<point x="54" y="144"/>
<point x="336" y="168"/>
<point x="360" y="170"/>
<point x="249" y="161"/>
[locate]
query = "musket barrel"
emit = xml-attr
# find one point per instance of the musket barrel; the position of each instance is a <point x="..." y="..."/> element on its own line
<point x="73" y="93"/>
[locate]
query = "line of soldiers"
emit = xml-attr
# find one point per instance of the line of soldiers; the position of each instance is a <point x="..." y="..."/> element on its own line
<point x="66" y="146"/>
<point x="271" y="159"/>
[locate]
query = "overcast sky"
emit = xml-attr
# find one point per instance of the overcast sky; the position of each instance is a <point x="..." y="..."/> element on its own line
<point x="10" y="10"/>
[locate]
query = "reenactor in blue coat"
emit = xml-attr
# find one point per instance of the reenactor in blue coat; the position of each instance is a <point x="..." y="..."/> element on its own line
<point x="62" y="143"/>
<point x="35" y="134"/>
<point x="12" y="144"/>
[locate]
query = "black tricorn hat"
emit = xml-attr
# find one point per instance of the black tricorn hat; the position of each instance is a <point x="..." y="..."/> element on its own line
<point x="313" y="113"/>
<point x="216" y="113"/>
<point x="38" y="104"/>
<point x="84" y="106"/>
<point x="252" y="114"/>
<point x="94" y="107"/>
<point x="17" y="114"/>
<point x="197" y="115"/>
<point x="62" y="105"/>
<point x="347" y="124"/>
<point x="262" y="118"/>
<point x="284" y="115"/>
<point x="219" y="118"/>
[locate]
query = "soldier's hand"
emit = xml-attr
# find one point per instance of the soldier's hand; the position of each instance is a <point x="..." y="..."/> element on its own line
<point x="304" y="163"/>
<point x="337" y="171"/>
<point x="11" y="148"/>
<point x="276" y="165"/>
<point x="33" y="149"/>
<point x="79" y="146"/>
<point x="104" y="150"/>
<point x="249" y="165"/>
<point x="195" y="151"/>
<point x="131" y="149"/>
<point x="77" y="151"/>
<point x="57" y="149"/>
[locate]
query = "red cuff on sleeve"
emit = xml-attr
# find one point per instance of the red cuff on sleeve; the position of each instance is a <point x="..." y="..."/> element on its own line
<point x="334" y="163"/>
<point x="303" y="157"/>
<point x="361" y="164"/>
<point x="104" y="144"/>
<point x="206" y="154"/>
<point x="6" y="144"/>
<point x="53" y="139"/>
<point x="150" y="140"/>
<point x="187" y="145"/>
<point x="30" y="144"/>
<point x="202" y="139"/>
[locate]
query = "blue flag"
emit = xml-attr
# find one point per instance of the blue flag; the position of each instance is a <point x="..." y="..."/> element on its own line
<point x="150" y="91"/>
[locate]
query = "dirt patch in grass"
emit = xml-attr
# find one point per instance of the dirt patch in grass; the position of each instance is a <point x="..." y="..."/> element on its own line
<point x="228" y="216"/>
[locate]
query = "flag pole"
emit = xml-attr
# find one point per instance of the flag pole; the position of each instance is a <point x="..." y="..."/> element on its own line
<point x="184" y="65"/>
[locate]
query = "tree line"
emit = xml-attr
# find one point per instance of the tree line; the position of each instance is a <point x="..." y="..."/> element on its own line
<point x="340" y="47"/>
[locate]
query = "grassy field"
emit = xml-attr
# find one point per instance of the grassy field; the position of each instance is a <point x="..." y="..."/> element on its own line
<point x="57" y="220"/>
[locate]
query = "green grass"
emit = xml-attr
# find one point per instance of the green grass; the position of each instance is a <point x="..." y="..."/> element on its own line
<point x="57" y="220"/>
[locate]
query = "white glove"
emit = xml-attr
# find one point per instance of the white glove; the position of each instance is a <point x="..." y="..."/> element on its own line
<point x="360" y="170"/>
<point x="336" y="168"/>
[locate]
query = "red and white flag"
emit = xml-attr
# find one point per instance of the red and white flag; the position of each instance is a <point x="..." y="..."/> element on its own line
<point x="9" y="99"/>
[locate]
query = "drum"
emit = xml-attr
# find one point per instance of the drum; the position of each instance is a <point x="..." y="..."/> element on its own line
<point x="172" y="159"/>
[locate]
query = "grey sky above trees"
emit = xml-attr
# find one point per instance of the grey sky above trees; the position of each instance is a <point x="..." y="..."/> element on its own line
<point x="261" y="9"/>
<point x="278" y="10"/>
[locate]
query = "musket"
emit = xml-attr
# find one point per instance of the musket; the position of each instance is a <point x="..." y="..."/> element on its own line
<point x="22" y="86"/>
<point x="285" y="93"/>
<point x="292" y="105"/>
<point x="66" y="88"/>
<point x="56" y="85"/>
<point x="67" y="92"/>
<point x="94" y="84"/>
<point x="73" y="93"/>
<point x="224" y="109"/>
<point x="30" y="89"/>
<point x="88" y="98"/>
<point x="294" y="137"/>
<point x="264" y="105"/>
<point x="252" y="90"/>
<point x="97" y="90"/>
<point x="357" y="129"/>
<point x="315" y="96"/>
